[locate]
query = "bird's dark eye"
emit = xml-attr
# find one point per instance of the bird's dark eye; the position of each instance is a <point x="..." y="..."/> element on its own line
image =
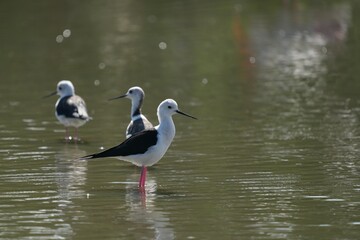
<point x="130" y="91"/>
<point x="169" y="107"/>
<point x="60" y="88"/>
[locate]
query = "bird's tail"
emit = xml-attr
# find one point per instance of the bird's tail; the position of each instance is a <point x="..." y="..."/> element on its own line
<point x="85" y="117"/>
<point x="92" y="156"/>
<point x="107" y="153"/>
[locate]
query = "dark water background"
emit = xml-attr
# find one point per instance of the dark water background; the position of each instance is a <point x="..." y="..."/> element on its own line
<point x="274" y="154"/>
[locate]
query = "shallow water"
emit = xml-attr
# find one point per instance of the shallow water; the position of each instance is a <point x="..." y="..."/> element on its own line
<point x="274" y="154"/>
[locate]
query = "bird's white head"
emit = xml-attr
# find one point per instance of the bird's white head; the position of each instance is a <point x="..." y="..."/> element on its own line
<point x="169" y="107"/>
<point x="65" y="88"/>
<point x="135" y="94"/>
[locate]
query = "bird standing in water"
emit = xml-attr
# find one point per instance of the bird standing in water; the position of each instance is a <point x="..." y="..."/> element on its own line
<point x="138" y="121"/>
<point x="146" y="148"/>
<point x="70" y="109"/>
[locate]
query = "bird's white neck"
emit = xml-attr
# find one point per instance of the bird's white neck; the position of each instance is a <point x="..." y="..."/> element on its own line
<point x="136" y="108"/>
<point x="166" y="127"/>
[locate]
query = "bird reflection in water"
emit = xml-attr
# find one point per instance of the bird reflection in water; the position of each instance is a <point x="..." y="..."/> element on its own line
<point x="142" y="209"/>
<point x="70" y="178"/>
<point x="71" y="175"/>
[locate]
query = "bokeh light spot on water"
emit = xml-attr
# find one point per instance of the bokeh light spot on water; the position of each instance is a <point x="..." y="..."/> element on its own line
<point x="59" y="38"/>
<point x="252" y="60"/>
<point x="162" y="45"/>
<point x="204" y="81"/>
<point x="67" y="33"/>
<point x="324" y="50"/>
<point x="97" y="82"/>
<point x="102" y="66"/>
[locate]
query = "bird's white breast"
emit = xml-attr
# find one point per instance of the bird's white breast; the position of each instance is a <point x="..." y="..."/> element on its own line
<point x="154" y="153"/>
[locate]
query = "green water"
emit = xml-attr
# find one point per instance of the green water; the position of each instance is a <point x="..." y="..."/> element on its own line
<point x="274" y="154"/>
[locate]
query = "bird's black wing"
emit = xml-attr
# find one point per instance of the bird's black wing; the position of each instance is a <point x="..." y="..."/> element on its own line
<point x="135" y="127"/>
<point x="72" y="107"/>
<point x="136" y="144"/>
<point x="66" y="109"/>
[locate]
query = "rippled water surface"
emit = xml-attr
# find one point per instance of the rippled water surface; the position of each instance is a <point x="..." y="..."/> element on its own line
<point x="274" y="154"/>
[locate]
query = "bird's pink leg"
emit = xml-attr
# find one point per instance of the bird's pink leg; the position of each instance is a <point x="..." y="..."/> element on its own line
<point x="76" y="135"/>
<point x="67" y="134"/>
<point x="142" y="177"/>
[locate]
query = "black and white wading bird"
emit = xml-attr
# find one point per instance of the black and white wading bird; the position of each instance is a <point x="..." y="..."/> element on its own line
<point x="147" y="147"/>
<point x="138" y="121"/>
<point x="70" y="109"/>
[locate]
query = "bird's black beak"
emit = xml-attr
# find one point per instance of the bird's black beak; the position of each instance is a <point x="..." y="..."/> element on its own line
<point x="187" y="115"/>
<point x="122" y="96"/>
<point x="49" y="95"/>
